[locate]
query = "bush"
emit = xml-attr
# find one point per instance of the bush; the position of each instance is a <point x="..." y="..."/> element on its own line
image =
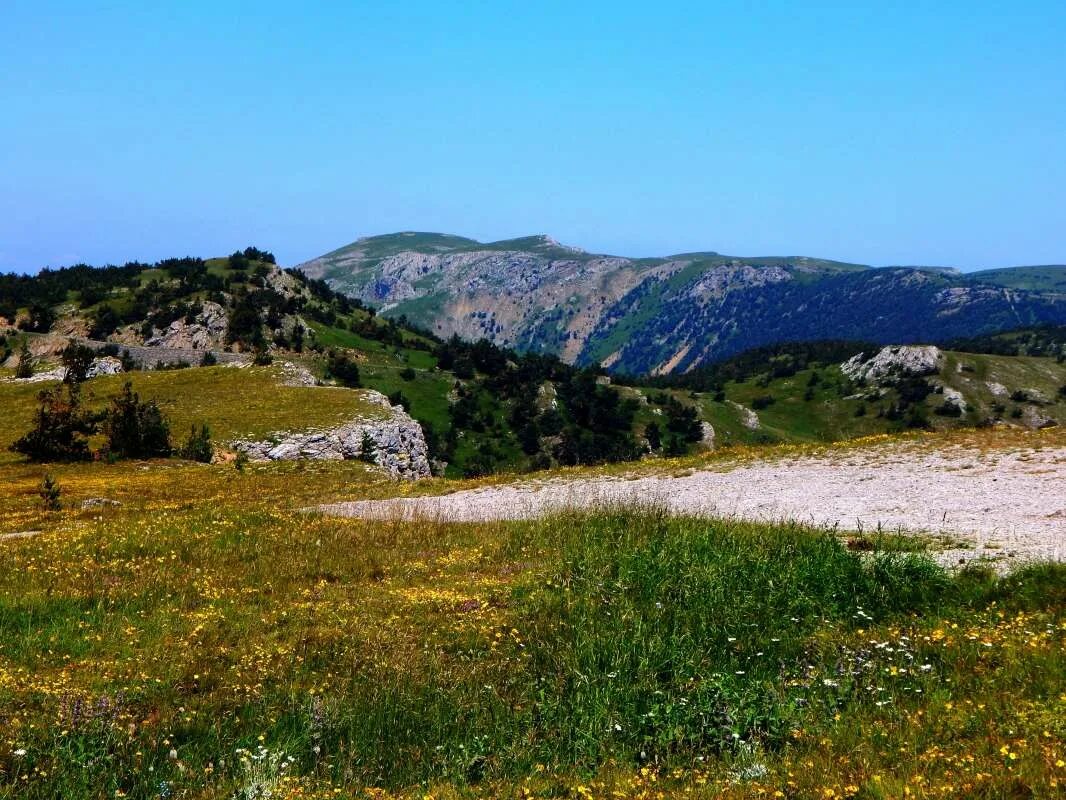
<point x="948" y="409"/>
<point x="262" y="358"/>
<point x="198" y="446"/>
<point x="407" y="374"/>
<point x="50" y="493"/>
<point x="763" y="401"/>
<point x="24" y="369"/>
<point x="136" y="429"/>
<point x="342" y="368"/>
<point x="368" y="449"/>
<point x="61" y="427"/>
<point x="398" y="398"/>
<point x="77" y="358"/>
<point x="208" y="360"/>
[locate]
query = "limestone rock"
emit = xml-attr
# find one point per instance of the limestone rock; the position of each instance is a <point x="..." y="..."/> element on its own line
<point x="707" y="436"/>
<point x="105" y="365"/>
<point x="398" y="443"/>
<point x="748" y="418"/>
<point x="208" y="330"/>
<point x="1036" y="419"/>
<point x="894" y="361"/>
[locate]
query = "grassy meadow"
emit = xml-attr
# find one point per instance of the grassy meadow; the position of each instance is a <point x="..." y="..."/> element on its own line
<point x="207" y="639"/>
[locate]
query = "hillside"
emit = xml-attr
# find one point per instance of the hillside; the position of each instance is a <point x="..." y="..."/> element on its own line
<point x="653" y="315"/>
<point x="482" y="409"/>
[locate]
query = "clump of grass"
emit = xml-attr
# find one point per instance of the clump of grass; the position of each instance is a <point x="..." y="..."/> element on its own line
<point x="658" y="636"/>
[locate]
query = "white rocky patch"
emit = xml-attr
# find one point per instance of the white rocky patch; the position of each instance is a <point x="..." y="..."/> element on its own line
<point x="105" y="365"/>
<point x="997" y="389"/>
<point x="894" y="361"/>
<point x="207" y="331"/>
<point x="398" y="442"/>
<point x="954" y="396"/>
<point x="748" y="418"/>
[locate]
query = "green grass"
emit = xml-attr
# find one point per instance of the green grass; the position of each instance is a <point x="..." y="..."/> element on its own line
<point x="619" y="650"/>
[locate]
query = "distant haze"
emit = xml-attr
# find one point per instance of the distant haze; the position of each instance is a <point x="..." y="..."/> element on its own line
<point x="870" y="134"/>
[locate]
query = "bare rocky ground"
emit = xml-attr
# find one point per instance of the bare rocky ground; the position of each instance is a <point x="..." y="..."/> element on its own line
<point x="1005" y="505"/>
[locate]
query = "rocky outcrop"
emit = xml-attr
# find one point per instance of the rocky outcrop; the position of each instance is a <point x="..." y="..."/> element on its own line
<point x="748" y="418"/>
<point x="206" y="331"/>
<point x="1036" y="419"/>
<point x="894" y="361"/>
<point x="707" y="436"/>
<point x="393" y="441"/>
<point x="105" y="365"/>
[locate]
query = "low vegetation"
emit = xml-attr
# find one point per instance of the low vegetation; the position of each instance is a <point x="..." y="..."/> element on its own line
<point x="231" y="649"/>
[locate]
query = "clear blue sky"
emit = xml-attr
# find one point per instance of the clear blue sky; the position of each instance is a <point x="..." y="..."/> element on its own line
<point x="885" y="133"/>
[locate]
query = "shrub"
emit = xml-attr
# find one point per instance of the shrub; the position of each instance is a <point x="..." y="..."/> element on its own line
<point x="398" y="398"/>
<point x="262" y="358"/>
<point x="208" y="360"/>
<point x="77" y="358"/>
<point x="61" y="427"/>
<point x="948" y="409"/>
<point x="343" y="369"/>
<point x="407" y="374"/>
<point x="136" y="429"/>
<point x="368" y="449"/>
<point x="24" y="369"/>
<point x="763" y="401"/>
<point x="50" y="493"/>
<point x="198" y="446"/>
<point x="1019" y="396"/>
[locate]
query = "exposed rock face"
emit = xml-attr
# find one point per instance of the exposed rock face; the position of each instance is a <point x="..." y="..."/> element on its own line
<point x="398" y="443"/>
<point x="894" y="361"/>
<point x="667" y="314"/>
<point x="208" y="330"/>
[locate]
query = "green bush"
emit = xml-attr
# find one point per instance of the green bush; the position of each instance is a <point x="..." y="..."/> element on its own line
<point x="136" y="429"/>
<point x="198" y="446"/>
<point x="61" y="427"/>
<point x="50" y="493"/>
<point x="342" y="368"/>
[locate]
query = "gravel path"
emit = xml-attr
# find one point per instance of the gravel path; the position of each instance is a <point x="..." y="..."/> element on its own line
<point x="1005" y="505"/>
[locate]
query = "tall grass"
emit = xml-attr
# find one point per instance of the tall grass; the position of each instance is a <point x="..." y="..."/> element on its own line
<point x="621" y="638"/>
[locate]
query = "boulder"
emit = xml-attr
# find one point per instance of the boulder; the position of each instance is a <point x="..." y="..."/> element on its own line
<point x="1036" y="419"/>
<point x="105" y="365"/>
<point x="894" y="361"/>
<point x="707" y="436"/>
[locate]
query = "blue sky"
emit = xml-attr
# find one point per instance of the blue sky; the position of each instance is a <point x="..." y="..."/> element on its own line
<point x="888" y="133"/>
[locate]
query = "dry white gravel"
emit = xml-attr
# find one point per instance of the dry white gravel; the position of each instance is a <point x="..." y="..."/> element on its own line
<point x="1006" y="505"/>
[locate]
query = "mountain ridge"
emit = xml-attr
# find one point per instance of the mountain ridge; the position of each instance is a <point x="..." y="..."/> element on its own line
<point x="670" y="313"/>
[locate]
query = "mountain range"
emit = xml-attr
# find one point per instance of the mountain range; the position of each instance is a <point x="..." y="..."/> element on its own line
<point x="674" y="313"/>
